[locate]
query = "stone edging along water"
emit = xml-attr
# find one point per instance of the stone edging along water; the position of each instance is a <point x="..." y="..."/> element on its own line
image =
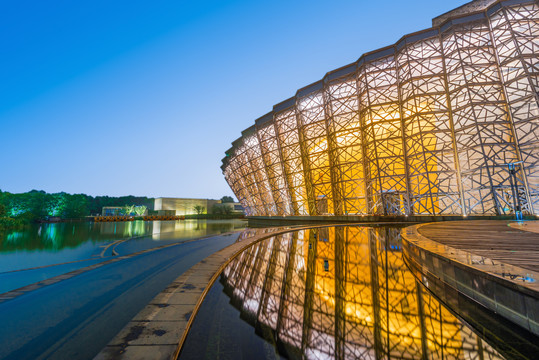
<point x="159" y="330"/>
<point x="507" y="290"/>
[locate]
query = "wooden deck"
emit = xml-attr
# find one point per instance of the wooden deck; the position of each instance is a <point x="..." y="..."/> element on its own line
<point x="494" y="239"/>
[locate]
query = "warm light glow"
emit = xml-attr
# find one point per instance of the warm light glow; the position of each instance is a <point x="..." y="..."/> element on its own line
<point x="270" y="280"/>
<point x="422" y="128"/>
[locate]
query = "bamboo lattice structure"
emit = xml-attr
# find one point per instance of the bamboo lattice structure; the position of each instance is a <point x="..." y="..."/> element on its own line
<point x="444" y="122"/>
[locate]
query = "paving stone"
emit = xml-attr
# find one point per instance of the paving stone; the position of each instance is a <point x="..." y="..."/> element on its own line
<point x="137" y="352"/>
<point x="208" y="268"/>
<point x="178" y="298"/>
<point x="151" y="333"/>
<point x="163" y="312"/>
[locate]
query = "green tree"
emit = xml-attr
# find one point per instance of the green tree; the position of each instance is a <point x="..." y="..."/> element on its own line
<point x="56" y="204"/>
<point x="37" y="203"/>
<point x="227" y="209"/>
<point x="128" y="210"/>
<point x="217" y="209"/>
<point x="3" y="210"/>
<point x="75" y="206"/>
<point x="199" y="209"/>
<point x="140" y="210"/>
<point x="227" y="199"/>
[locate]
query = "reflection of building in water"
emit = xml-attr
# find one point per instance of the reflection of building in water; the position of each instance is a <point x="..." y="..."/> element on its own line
<point x="123" y="229"/>
<point x="166" y="230"/>
<point x="424" y="126"/>
<point x="345" y="292"/>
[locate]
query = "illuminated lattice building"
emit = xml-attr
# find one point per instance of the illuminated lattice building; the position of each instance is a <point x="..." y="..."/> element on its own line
<point x="345" y="293"/>
<point x="425" y="126"/>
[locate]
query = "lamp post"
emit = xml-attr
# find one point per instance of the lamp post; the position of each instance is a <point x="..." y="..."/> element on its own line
<point x="513" y="169"/>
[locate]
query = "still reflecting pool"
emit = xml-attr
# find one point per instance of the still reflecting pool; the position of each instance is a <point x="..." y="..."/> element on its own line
<point x="41" y="251"/>
<point x="338" y="292"/>
<point x="44" y="244"/>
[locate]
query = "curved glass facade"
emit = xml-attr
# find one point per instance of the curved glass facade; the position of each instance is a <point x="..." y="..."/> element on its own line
<point x="444" y="122"/>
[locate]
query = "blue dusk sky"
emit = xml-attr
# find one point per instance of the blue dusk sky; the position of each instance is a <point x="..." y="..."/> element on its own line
<point x="143" y="97"/>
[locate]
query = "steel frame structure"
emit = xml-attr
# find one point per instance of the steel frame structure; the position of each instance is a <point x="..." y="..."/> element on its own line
<point x="424" y="126"/>
<point x="345" y="292"/>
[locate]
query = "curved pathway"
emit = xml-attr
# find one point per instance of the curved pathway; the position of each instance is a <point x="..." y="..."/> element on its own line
<point x="76" y="316"/>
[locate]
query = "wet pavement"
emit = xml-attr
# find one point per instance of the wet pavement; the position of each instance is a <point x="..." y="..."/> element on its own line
<point x="77" y="316"/>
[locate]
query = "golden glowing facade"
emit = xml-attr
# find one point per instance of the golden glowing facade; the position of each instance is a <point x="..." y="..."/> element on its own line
<point x="345" y="293"/>
<point x="429" y="125"/>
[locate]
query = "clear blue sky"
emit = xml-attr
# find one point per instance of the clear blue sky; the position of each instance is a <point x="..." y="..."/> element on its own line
<point x="143" y="97"/>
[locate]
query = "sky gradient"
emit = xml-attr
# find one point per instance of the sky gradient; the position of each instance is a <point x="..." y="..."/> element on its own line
<point x="143" y="98"/>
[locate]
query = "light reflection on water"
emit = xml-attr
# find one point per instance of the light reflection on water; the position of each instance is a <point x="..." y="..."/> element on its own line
<point x="56" y="236"/>
<point x="46" y="244"/>
<point x="339" y="292"/>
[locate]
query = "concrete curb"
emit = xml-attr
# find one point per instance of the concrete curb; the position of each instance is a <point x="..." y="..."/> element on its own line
<point x="368" y="219"/>
<point x="159" y="330"/>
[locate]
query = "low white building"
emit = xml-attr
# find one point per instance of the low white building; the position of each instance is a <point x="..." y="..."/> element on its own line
<point x="186" y="206"/>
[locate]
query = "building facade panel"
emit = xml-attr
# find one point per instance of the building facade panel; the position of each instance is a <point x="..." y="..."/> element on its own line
<point x="287" y="131"/>
<point x="260" y="185"/>
<point x="346" y="145"/>
<point x="446" y="121"/>
<point x="312" y="122"/>
<point x="273" y="164"/>
<point x="515" y="34"/>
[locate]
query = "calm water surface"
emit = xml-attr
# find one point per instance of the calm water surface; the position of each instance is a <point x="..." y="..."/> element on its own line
<point x="41" y="251"/>
<point x="339" y="292"/>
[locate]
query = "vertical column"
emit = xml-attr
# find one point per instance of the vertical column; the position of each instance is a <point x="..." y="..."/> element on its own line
<point x="434" y="185"/>
<point x="240" y="183"/>
<point x="258" y="171"/>
<point x="250" y="181"/>
<point x="309" y="291"/>
<point x="291" y="327"/>
<point x="383" y="135"/>
<point x="346" y="143"/>
<point x="368" y="150"/>
<point x="315" y="148"/>
<point x="335" y="179"/>
<point x="375" y="286"/>
<point x="290" y="149"/>
<point x="273" y="164"/>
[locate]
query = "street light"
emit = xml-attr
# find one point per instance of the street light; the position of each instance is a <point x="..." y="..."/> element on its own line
<point x="512" y="166"/>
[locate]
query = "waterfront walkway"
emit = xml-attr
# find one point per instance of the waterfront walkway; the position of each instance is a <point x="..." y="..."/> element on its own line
<point x="74" y="315"/>
<point x="510" y="242"/>
<point x="159" y="330"/>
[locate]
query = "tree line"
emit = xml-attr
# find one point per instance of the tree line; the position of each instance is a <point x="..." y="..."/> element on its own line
<point x="38" y="205"/>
